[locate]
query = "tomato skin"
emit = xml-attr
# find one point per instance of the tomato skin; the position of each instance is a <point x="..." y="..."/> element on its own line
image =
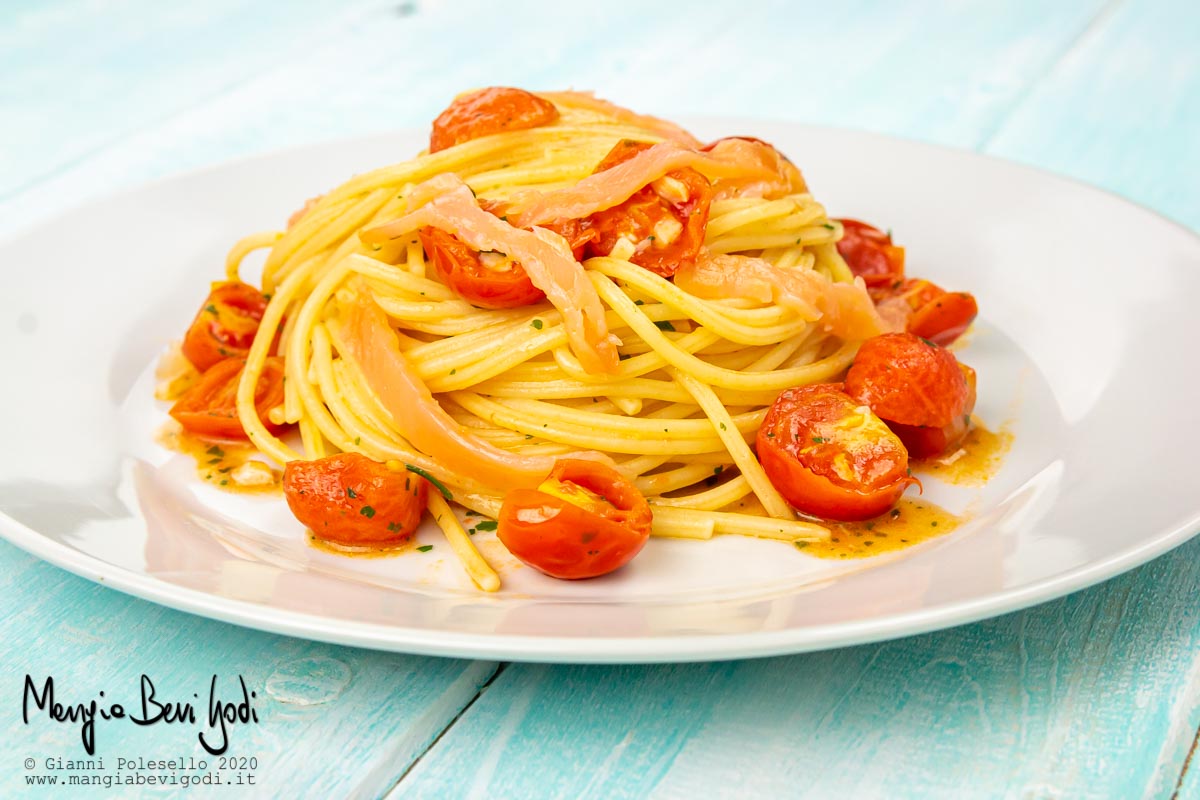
<point x="459" y="267"/>
<point x="226" y="324"/>
<point x="928" y="310"/>
<point x="209" y="407"/>
<point x="493" y="110"/>
<point x="830" y="457"/>
<point x="918" y="388"/>
<point x="351" y="500"/>
<point x="638" y="217"/>
<point x="945" y="317"/>
<point x="870" y="254"/>
<point x="563" y="540"/>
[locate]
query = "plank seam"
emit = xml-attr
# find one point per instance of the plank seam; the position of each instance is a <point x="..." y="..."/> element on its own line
<point x="478" y="694"/>
<point x="1089" y="32"/>
<point x="1186" y="763"/>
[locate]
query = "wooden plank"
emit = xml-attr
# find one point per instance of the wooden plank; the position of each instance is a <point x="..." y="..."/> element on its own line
<point x="942" y="71"/>
<point x="80" y="77"/>
<point x="1069" y="699"/>
<point x="1122" y="110"/>
<point x="333" y="721"/>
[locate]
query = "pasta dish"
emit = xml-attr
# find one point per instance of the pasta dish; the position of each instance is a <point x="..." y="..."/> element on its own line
<point x="585" y="326"/>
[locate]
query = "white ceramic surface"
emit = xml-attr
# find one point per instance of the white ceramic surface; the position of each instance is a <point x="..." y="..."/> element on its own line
<point x="1085" y="351"/>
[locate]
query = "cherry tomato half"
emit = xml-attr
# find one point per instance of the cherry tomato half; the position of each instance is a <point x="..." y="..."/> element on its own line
<point x="503" y="283"/>
<point x="583" y="521"/>
<point x="209" y="407"/>
<point x="918" y="388"/>
<point x="870" y="254"/>
<point x="830" y="456"/>
<point x="665" y="221"/>
<point x="461" y="267"/>
<point x="493" y="110"/>
<point x="225" y="325"/>
<point x="930" y="311"/>
<point x="350" y="499"/>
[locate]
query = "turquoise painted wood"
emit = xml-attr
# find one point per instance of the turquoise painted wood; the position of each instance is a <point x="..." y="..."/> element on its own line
<point x="1096" y="695"/>
<point x="1083" y="697"/>
<point x="332" y="721"/>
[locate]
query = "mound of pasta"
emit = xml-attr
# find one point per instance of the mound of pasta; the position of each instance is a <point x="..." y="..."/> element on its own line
<point x="587" y="325"/>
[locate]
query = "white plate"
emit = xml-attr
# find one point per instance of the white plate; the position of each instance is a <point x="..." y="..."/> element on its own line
<point x="1086" y="346"/>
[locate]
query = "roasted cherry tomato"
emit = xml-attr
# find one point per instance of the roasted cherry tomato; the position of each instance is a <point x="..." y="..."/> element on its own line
<point x="830" y="456"/>
<point x="576" y="231"/>
<point x="226" y="324"/>
<point x="490" y="280"/>
<point x="930" y="311"/>
<point x="350" y="499"/>
<point x="583" y="521"/>
<point x="870" y="254"/>
<point x="931" y="442"/>
<point x="209" y="407"/>
<point x="493" y="110"/>
<point x="918" y="388"/>
<point x="502" y="284"/>
<point x="664" y="221"/>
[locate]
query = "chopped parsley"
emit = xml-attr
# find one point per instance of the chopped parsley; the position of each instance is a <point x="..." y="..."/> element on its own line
<point x="394" y="527"/>
<point x="425" y="548"/>
<point x="215" y="450"/>
<point x="486" y="525"/>
<point x="723" y="426"/>
<point x="537" y="324"/>
<point x="664" y="325"/>
<point x="441" y="487"/>
<point x="210" y="308"/>
<point x="830" y="227"/>
<point x="357" y="441"/>
<point x="639" y="302"/>
<point x="926" y="341"/>
<point x="351" y="493"/>
<point x="819" y="440"/>
<point x="367" y="512"/>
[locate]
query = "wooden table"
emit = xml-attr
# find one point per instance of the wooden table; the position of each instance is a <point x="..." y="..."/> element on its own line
<point x="1094" y="695"/>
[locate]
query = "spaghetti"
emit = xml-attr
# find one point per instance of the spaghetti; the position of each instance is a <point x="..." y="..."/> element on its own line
<point x="663" y="369"/>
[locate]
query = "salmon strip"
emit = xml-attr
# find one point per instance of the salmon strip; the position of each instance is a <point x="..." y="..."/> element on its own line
<point x="545" y="256"/>
<point x="617" y="184"/>
<point x="845" y="309"/>
<point x="372" y="346"/>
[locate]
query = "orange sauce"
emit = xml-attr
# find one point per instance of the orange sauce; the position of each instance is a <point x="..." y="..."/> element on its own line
<point x="217" y="460"/>
<point x="360" y="552"/>
<point x="910" y="522"/>
<point x="975" y="462"/>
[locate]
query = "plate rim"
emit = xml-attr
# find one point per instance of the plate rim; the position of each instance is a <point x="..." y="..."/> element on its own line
<point x="594" y="649"/>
